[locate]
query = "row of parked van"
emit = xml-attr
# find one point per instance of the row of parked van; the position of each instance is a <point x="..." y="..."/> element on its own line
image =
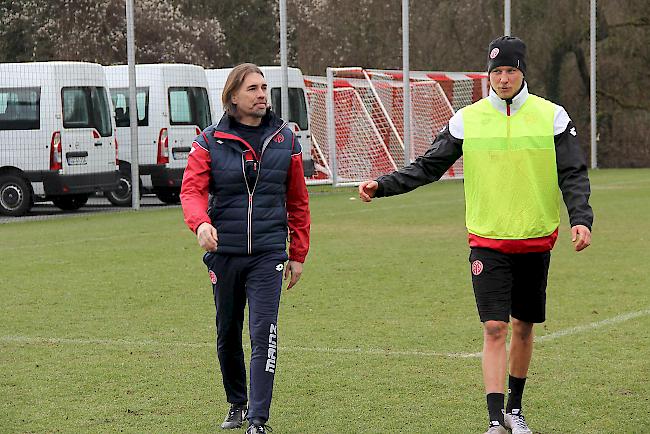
<point x="64" y="128"/>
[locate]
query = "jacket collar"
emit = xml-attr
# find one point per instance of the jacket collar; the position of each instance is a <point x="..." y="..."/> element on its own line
<point x="224" y="129"/>
<point x="517" y="101"/>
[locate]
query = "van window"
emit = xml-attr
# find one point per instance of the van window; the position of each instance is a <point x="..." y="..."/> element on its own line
<point x="120" y="99"/>
<point x="297" y="106"/>
<point x="86" y="107"/>
<point x="20" y="108"/>
<point x="189" y="106"/>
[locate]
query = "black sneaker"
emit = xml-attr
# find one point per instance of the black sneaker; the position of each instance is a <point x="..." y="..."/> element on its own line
<point x="258" y="428"/>
<point x="235" y="417"/>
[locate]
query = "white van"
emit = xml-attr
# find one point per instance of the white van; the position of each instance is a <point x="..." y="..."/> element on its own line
<point x="173" y="108"/>
<point x="298" y="114"/>
<point x="56" y="135"/>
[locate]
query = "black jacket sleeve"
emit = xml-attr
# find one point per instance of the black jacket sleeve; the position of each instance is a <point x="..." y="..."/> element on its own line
<point x="444" y="151"/>
<point x="573" y="177"/>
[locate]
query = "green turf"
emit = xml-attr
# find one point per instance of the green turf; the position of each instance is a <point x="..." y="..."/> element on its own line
<point x="106" y="323"/>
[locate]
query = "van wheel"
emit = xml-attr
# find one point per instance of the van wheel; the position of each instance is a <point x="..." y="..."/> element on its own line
<point x="15" y="195"/>
<point x="121" y="196"/>
<point x="70" y="202"/>
<point x="170" y="196"/>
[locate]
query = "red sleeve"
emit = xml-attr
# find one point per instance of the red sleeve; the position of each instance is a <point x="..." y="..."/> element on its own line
<point x="297" y="210"/>
<point x="195" y="187"/>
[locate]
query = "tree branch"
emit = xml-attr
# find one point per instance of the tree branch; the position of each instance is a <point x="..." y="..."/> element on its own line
<point x="621" y="103"/>
<point x="641" y="22"/>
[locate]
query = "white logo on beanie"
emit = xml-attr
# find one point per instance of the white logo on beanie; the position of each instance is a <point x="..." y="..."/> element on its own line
<point x="494" y="53"/>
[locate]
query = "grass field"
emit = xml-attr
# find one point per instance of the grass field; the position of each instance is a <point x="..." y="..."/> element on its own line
<point x="106" y="323"/>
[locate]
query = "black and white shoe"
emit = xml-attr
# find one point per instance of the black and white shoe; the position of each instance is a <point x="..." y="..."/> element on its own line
<point x="258" y="428"/>
<point x="235" y="417"/>
<point x="516" y="422"/>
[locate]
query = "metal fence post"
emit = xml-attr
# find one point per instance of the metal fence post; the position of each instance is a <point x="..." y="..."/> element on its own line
<point x="506" y="18"/>
<point x="592" y="86"/>
<point x="284" y="90"/>
<point x="407" y="82"/>
<point x="133" y="104"/>
<point x="331" y="125"/>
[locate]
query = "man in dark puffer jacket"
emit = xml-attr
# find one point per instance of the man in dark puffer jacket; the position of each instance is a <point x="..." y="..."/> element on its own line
<point x="243" y="192"/>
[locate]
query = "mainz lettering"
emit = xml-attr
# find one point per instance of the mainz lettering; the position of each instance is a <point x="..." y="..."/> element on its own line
<point x="273" y="347"/>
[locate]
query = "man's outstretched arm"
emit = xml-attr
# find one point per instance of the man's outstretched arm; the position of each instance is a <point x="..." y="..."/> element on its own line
<point x="430" y="167"/>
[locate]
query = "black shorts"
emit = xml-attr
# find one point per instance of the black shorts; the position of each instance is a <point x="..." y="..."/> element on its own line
<point x="509" y="284"/>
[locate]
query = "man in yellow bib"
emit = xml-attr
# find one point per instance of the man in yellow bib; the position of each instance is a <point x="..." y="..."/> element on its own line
<point x="519" y="151"/>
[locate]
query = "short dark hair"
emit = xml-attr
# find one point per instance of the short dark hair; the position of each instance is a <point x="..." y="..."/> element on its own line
<point x="234" y="82"/>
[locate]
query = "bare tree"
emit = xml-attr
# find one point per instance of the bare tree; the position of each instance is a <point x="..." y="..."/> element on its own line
<point x="95" y="31"/>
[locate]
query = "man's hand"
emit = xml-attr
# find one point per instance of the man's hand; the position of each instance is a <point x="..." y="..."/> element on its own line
<point x="367" y="190"/>
<point x="293" y="270"/>
<point x="206" y="235"/>
<point x="581" y="237"/>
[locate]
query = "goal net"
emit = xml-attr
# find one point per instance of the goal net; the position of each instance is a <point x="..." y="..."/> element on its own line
<point x="369" y="113"/>
<point x="361" y="151"/>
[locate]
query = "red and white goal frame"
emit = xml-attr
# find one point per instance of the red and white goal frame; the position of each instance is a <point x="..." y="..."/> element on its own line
<point x="367" y="119"/>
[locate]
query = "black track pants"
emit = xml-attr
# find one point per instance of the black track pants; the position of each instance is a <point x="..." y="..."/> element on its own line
<point x="258" y="279"/>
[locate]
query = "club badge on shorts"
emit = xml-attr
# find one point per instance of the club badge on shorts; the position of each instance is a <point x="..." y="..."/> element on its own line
<point x="477" y="267"/>
<point x="213" y="277"/>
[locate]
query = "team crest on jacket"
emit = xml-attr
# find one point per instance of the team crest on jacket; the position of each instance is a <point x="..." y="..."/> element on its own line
<point x="477" y="267"/>
<point x="279" y="138"/>
<point x="213" y="277"/>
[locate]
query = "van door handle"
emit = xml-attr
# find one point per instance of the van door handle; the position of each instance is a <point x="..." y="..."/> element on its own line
<point x="98" y="143"/>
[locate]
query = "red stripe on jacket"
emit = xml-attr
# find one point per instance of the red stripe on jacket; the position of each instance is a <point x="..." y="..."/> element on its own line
<point x="531" y="245"/>
<point x="297" y="210"/>
<point x="221" y="135"/>
<point x="195" y="187"/>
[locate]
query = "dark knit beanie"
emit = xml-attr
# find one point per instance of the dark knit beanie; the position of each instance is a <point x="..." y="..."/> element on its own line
<point x="507" y="51"/>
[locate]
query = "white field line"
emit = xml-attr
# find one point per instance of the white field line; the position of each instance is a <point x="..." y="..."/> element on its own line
<point x="323" y="350"/>
<point x="594" y="325"/>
